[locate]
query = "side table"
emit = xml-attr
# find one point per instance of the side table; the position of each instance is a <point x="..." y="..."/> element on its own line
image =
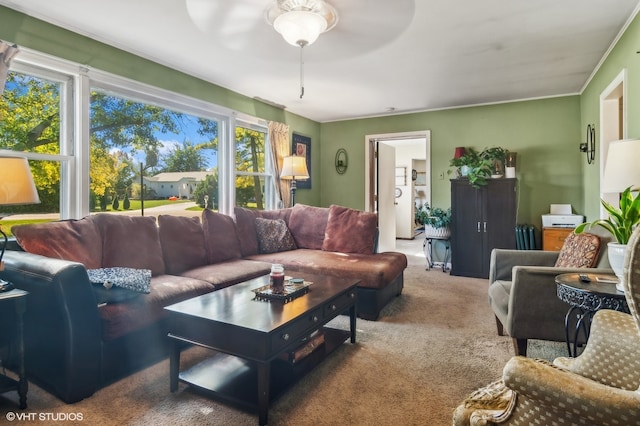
<point x="427" y="246"/>
<point x="17" y="298"/>
<point x="586" y="298"/>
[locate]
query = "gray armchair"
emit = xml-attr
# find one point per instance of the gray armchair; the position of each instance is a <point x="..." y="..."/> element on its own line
<point x="599" y="387"/>
<point x="522" y="293"/>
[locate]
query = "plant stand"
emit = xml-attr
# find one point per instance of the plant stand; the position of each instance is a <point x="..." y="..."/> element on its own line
<point x="427" y="246"/>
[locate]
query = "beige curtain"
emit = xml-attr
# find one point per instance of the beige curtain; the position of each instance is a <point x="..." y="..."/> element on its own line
<point x="7" y="52"/>
<point x="280" y="148"/>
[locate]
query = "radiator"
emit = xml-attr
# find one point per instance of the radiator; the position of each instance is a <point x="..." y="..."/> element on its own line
<point x="525" y="237"/>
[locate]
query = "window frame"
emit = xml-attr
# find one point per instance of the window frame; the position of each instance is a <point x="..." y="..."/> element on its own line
<point x="77" y="81"/>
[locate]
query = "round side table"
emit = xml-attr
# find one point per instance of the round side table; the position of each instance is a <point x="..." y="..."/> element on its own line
<point x="585" y="299"/>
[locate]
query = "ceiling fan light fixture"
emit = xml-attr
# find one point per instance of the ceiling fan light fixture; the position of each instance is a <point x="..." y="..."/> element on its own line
<point x="300" y="28"/>
<point x="300" y="22"/>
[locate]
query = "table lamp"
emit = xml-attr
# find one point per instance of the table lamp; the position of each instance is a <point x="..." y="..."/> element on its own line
<point x="16" y="188"/>
<point x="620" y="172"/>
<point x="294" y="168"/>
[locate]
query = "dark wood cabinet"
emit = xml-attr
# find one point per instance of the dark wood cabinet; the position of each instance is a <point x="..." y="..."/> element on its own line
<point x="482" y="219"/>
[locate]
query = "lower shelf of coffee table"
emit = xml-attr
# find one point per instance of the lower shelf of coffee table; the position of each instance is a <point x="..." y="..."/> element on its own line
<point x="235" y="379"/>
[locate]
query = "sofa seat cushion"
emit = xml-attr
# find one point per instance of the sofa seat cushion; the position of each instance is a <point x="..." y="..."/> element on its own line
<point x="373" y="270"/>
<point x="119" y="319"/>
<point x="227" y="273"/>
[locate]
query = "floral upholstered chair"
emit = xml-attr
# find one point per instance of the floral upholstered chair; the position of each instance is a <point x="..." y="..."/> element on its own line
<point x="599" y="387"/>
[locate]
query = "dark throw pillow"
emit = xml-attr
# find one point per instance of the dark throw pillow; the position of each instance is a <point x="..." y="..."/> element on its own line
<point x="273" y="236"/>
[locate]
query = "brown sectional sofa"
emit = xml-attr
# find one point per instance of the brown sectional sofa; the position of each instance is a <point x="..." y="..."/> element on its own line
<point x="81" y="337"/>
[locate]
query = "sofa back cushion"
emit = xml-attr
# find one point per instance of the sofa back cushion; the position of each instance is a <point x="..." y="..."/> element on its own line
<point x="350" y="231"/>
<point x="246" y="230"/>
<point x="307" y="225"/>
<point x="130" y="241"/>
<point x="579" y="251"/>
<point x="183" y="244"/>
<point x="74" y="240"/>
<point x="220" y="237"/>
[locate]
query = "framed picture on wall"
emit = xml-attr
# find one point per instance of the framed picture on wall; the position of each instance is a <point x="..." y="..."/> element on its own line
<point x="301" y="147"/>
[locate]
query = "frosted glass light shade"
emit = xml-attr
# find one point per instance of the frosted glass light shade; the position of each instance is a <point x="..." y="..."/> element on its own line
<point x="16" y="182"/>
<point x="621" y="168"/>
<point x="300" y="28"/>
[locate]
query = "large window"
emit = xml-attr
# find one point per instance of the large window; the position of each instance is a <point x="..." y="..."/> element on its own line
<point x="32" y="120"/>
<point x="143" y="152"/>
<point x="98" y="142"/>
<point x="252" y="176"/>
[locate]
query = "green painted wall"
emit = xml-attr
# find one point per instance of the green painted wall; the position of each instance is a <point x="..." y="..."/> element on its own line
<point x="545" y="134"/>
<point x="32" y="33"/>
<point x="623" y="56"/>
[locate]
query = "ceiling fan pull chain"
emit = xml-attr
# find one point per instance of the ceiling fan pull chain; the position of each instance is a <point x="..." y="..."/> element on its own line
<point x="301" y="71"/>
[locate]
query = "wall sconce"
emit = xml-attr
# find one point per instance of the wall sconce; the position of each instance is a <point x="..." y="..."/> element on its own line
<point x="590" y="145"/>
<point x="341" y="161"/>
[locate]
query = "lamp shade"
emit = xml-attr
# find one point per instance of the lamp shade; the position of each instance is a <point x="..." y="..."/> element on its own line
<point x="621" y="168"/>
<point x="294" y="167"/>
<point x="16" y="182"/>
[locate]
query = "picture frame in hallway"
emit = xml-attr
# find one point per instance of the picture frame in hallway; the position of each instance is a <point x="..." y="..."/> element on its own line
<point x="301" y="146"/>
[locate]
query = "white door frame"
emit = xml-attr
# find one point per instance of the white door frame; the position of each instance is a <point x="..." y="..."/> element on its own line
<point x="610" y="117"/>
<point x="370" y="174"/>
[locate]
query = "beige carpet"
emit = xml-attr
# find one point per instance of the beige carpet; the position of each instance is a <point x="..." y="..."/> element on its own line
<point x="432" y="346"/>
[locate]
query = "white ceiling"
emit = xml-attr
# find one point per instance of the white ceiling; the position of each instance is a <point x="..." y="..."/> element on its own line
<point x="405" y="55"/>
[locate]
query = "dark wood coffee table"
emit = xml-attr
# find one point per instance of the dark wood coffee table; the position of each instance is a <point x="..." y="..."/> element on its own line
<point x="250" y="336"/>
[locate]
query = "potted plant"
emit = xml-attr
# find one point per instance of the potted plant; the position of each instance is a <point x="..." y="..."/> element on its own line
<point x="496" y="156"/>
<point x="620" y="224"/>
<point x="436" y="221"/>
<point x="472" y="166"/>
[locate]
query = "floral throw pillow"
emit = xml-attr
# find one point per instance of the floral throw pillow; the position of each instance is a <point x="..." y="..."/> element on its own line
<point x="273" y="236"/>
<point x="579" y="251"/>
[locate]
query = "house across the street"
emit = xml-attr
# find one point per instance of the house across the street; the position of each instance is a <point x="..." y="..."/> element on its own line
<point x="175" y="184"/>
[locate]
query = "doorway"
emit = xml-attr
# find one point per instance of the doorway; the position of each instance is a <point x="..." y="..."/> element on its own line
<point x="613" y="126"/>
<point x="390" y="183"/>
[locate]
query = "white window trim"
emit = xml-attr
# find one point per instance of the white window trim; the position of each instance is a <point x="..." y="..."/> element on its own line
<point x="74" y="150"/>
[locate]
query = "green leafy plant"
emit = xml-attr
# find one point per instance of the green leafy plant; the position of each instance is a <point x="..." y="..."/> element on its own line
<point x="433" y="216"/>
<point x="495" y="153"/>
<point x="621" y="221"/>
<point x="479" y="168"/>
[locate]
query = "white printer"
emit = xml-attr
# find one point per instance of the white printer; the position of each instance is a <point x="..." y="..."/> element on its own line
<point x="560" y="217"/>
